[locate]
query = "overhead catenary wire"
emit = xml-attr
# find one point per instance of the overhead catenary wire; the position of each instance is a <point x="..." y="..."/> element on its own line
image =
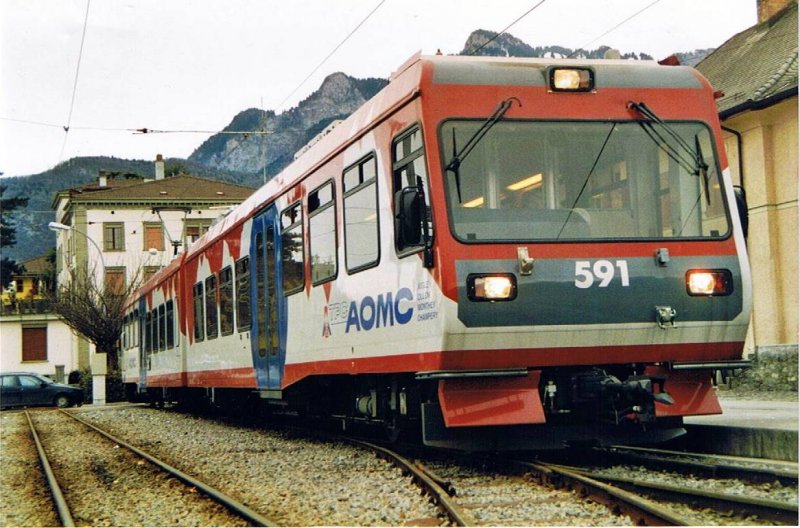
<point x="330" y="54"/>
<point x="141" y="130"/>
<point x="615" y="27"/>
<point x="526" y="13"/>
<point x="75" y="82"/>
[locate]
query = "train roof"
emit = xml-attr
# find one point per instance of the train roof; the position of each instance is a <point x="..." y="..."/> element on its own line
<point x="407" y="82"/>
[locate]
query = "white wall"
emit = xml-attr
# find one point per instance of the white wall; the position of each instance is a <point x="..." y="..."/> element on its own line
<point x="59" y="344"/>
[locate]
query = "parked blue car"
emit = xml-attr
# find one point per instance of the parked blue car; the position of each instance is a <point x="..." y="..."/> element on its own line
<point x="26" y="389"/>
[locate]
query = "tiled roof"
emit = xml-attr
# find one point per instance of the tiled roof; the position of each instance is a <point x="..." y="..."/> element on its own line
<point x="181" y="188"/>
<point x="756" y="67"/>
<point x="36" y="266"/>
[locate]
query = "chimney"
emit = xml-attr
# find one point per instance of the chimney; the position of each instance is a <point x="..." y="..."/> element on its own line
<point x="159" y="167"/>
<point x="768" y="8"/>
<point x="102" y="179"/>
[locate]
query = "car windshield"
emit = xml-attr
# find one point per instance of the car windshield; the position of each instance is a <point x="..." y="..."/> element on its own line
<point x="529" y="180"/>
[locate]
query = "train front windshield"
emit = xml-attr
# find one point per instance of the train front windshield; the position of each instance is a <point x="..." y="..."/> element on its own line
<point x="527" y="181"/>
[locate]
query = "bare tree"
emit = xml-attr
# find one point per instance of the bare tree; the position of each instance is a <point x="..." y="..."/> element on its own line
<point x="95" y="311"/>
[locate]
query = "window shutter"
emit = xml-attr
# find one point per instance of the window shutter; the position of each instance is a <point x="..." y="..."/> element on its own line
<point x="34" y="344"/>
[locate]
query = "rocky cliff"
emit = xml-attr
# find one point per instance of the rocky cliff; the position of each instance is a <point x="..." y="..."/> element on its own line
<point x="278" y="136"/>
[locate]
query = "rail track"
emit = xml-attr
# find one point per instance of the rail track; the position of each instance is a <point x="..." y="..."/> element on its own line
<point x="719" y="466"/>
<point x="696" y="483"/>
<point x="746" y="507"/>
<point x="644" y="502"/>
<point x="475" y="491"/>
<point x="86" y="476"/>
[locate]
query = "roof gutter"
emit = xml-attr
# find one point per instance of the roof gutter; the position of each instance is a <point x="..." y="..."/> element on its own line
<point x="760" y="104"/>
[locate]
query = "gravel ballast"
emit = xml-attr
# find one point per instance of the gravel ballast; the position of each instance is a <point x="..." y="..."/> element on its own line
<point x="292" y="481"/>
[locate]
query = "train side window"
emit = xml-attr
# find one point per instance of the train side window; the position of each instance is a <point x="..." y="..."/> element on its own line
<point x="154" y="331"/>
<point x="199" y="312"/>
<point x="170" y="317"/>
<point x="292" y="249"/>
<point x="124" y="335"/>
<point x="226" y="301"/>
<point x="211" y="307"/>
<point x="243" y="294"/>
<point x="136" y="328"/>
<point x="361" y="230"/>
<point x="162" y="328"/>
<point x="147" y="337"/>
<point x="409" y="170"/>
<point x="322" y="234"/>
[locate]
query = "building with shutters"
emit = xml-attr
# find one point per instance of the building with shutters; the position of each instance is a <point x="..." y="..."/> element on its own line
<point x="755" y="73"/>
<point x="121" y="228"/>
<point x="31" y="336"/>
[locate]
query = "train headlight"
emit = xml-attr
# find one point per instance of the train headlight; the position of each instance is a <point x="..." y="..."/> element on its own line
<point x="493" y="287"/>
<point x="571" y="80"/>
<point x="709" y="282"/>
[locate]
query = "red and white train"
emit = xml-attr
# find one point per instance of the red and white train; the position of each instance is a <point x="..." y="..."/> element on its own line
<point x="503" y="253"/>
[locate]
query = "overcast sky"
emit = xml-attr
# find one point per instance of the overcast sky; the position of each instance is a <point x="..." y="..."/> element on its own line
<point x="194" y="64"/>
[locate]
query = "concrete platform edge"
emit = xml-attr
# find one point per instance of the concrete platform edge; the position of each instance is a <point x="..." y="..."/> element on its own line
<point x="741" y="441"/>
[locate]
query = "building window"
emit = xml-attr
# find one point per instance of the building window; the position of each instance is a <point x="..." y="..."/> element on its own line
<point x="194" y="229"/>
<point x="153" y="236"/>
<point x="34" y="344"/>
<point x="361" y="215"/>
<point x="292" y="249"/>
<point x="199" y="312"/>
<point x="409" y="170"/>
<point x="113" y="236"/>
<point x="115" y="280"/>
<point x="243" y="294"/>
<point x="211" y="307"/>
<point x="322" y="233"/>
<point x="226" y="301"/>
<point x="149" y="271"/>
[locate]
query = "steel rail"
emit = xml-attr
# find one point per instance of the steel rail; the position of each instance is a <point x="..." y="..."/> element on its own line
<point x="438" y="494"/>
<point x="232" y="504"/>
<point x="641" y="510"/>
<point x="716" y="465"/>
<point x="782" y="512"/>
<point x="61" y="505"/>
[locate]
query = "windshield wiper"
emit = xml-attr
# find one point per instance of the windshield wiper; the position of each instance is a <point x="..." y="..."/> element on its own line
<point x="690" y="159"/>
<point x="460" y="155"/>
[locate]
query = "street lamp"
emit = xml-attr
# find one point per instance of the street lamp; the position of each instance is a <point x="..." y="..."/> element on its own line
<point x="57" y="226"/>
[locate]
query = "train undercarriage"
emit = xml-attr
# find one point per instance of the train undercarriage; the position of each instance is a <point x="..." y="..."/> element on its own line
<point x="516" y="409"/>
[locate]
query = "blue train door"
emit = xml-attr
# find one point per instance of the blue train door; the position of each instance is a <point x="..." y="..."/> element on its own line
<point x="266" y="301"/>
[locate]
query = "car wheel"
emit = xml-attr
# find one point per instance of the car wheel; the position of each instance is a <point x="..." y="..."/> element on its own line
<point x="61" y="401"/>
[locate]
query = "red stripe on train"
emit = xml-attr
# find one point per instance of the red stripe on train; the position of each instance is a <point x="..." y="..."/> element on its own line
<point x="516" y="358"/>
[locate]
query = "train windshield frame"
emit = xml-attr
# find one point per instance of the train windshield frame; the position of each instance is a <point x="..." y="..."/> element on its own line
<point x="533" y="180"/>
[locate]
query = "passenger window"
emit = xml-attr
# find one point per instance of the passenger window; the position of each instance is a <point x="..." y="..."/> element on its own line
<point x="148" y="336"/>
<point x="226" y="301"/>
<point x="199" y="312"/>
<point x="322" y="234"/>
<point x="361" y="215"/>
<point x="170" y="325"/>
<point x="409" y="170"/>
<point x="211" y="307"/>
<point x="162" y="328"/>
<point x="292" y="249"/>
<point x="243" y="294"/>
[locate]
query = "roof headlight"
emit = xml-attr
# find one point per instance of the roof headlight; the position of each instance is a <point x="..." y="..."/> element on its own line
<point x="571" y="79"/>
<point x="494" y="287"/>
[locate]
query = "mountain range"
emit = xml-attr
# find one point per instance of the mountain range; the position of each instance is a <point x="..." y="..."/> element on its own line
<point x="266" y="146"/>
